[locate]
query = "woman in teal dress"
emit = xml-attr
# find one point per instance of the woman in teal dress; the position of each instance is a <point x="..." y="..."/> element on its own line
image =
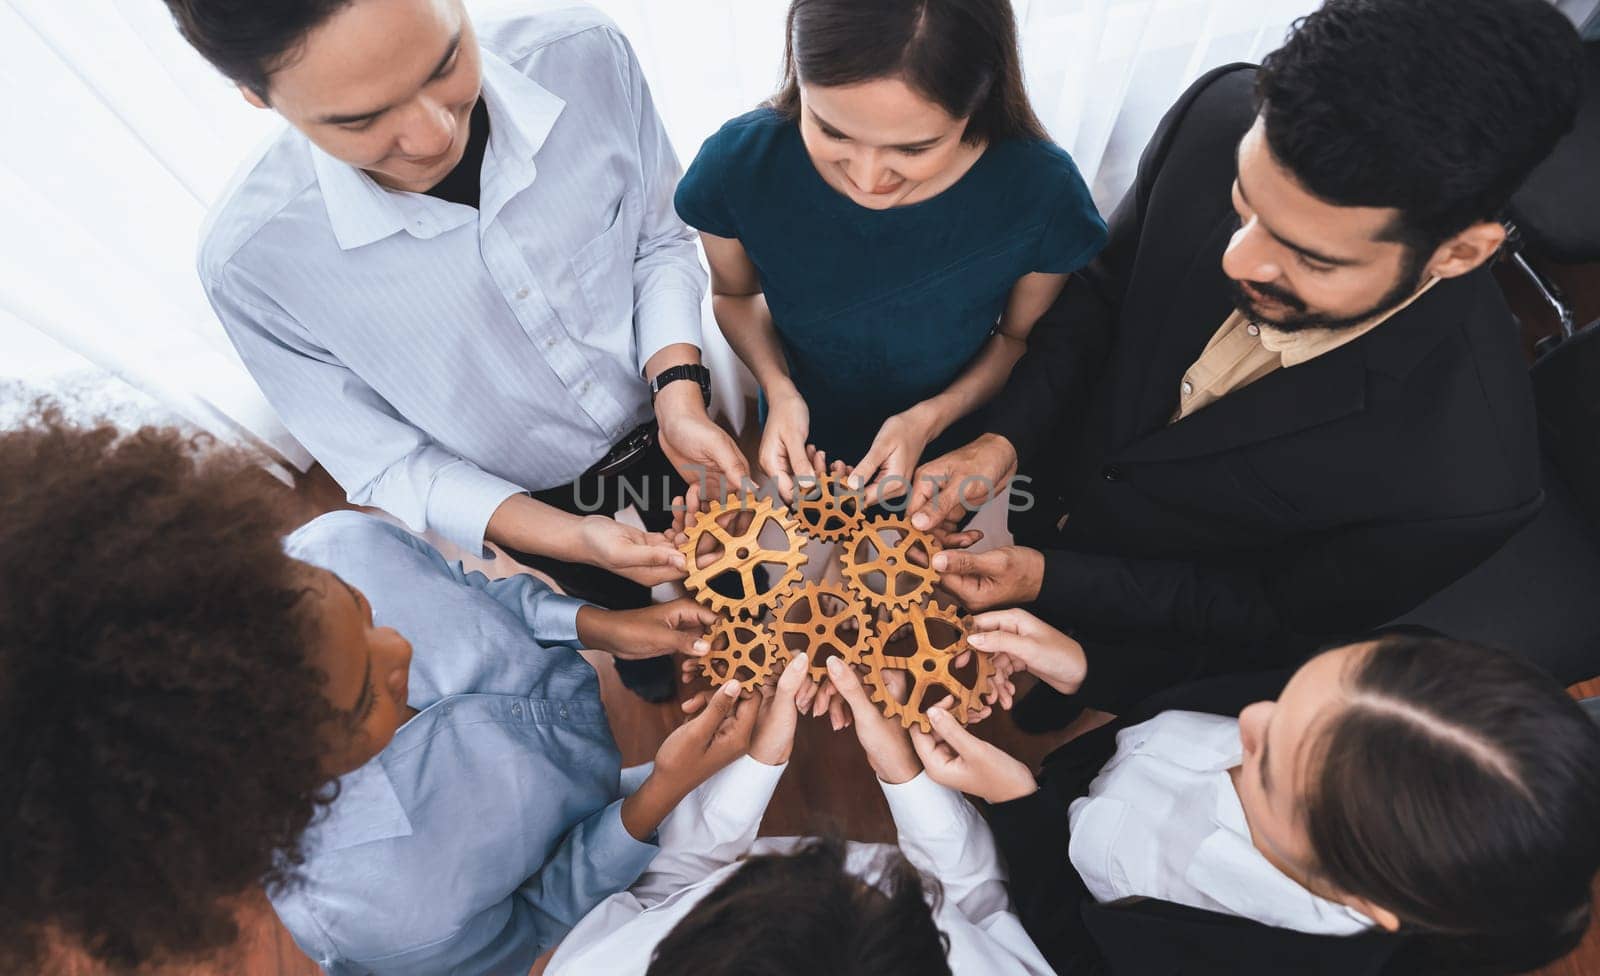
<point x="885" y="232"/>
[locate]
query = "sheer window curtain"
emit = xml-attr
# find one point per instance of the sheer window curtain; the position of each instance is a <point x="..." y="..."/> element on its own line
<point x="119" y="138"/>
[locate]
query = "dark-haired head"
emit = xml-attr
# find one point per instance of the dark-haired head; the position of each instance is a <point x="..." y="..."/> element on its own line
<point x="897" y="94"/>
<point x="1442" y="788"/>
<point x="175" y="693"/>
<point x="806" y="913"/>
<point x="1391" y="135"/>
<point x="387" y="86"/>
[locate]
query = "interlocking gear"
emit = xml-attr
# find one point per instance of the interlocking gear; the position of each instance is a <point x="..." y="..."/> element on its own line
<point x="741" y="552"/>
<point x="824" y="620"/>
<point x="827" y="508"/>
<point x="741" y="651"/>
<point x="930" y="665"/>
<point x="884" y="549"/>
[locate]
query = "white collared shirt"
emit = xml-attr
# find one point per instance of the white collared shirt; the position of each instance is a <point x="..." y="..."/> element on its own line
<point x="703" y="840"/>
<point x="1163" y="821"/>
<point x="438" y="358"/>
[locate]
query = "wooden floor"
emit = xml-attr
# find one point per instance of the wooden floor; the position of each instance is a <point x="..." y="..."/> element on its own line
<point x="828" y="786"/>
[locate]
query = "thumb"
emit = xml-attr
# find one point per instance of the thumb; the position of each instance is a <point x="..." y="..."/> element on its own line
<point x="705" y="724"/>
<point x="848" y="684"/>
<point x="792" y="678"/>
<point x="957" y="563"/>
<point x="1003" y="642"/>
<point x="954" y="734"/>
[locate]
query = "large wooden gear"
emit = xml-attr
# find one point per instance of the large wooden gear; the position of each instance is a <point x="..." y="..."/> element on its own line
<point x="884" y="550"/>
<point x="741" y="651"/>
<point x="827" y="508"/>
<point x="741" y="552"/>
<point x="823" y="620"/>
<point x="930" y="665"/>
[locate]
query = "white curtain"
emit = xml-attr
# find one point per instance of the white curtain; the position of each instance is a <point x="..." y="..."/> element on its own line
<point x="118" y="138"/>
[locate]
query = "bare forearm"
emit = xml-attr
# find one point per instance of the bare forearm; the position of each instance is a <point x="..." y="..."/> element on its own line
<point x="977" y="385"/>
<point x="746" y="322"/>
<point x="527" y="525"/>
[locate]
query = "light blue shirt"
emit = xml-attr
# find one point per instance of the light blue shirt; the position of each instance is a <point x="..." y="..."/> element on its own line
<point x="438" y="359"/>
<point x="492" y="822"/>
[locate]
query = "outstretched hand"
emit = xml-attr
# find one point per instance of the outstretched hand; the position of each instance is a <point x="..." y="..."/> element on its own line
<point x="956" y="758"/>
<point x="884" y="741"/>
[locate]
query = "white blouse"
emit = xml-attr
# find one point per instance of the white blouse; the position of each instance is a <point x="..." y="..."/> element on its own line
<point x="703" y="840"/>
<point x="1163" y="821"/>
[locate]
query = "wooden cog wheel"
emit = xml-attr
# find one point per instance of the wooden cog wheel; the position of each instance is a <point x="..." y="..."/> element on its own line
<point x="827" y="508"/>
<point x="739" y="650"/>
<point x="879" y="563"/>
<point x="823" y="620"/>
<point x="739" y="552"/>
<point x="930" y="666"/>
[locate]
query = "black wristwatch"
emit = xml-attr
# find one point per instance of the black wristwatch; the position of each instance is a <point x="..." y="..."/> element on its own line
<point x="686" y="371"/>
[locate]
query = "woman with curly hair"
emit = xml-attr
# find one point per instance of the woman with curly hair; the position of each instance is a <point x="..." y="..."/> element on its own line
<point x="189" y="708"/>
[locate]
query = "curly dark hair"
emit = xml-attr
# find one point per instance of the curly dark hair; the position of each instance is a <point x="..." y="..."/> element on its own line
<point x="161" y="728"/>
<point x="811" y="915"/>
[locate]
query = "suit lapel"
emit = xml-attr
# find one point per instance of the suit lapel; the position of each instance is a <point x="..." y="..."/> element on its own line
<point x="1288" y="400"/>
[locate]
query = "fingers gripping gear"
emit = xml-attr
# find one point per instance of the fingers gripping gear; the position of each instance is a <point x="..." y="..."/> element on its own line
<point x="824" y="620"/>
<point x="889" y="563"/>
<point x="928" y="665"/>
<point x="742" y="652"/>
<point x="732" y="532"/>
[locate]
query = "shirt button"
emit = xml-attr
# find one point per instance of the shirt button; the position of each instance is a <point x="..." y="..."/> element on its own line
<point x="1188" y="388"/>
<point x="552" y="342"/>
<point x="1253" y="329"/>
<point x="521" y="294"/>
<point x="563" y="711"/>
<point x="517" y="710"/>
<point x="584" y="387"/>
<point x="1111" y="473"/>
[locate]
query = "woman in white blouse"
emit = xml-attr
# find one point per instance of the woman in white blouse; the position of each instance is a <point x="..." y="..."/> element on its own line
<point x="1401" y="805"/>
<point x="718" y="901"/>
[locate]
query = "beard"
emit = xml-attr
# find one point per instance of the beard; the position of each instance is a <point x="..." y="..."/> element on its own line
<point x="1301" y="318"/>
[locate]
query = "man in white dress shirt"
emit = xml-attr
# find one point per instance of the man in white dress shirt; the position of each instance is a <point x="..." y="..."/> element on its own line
<point x="459" y="279"/>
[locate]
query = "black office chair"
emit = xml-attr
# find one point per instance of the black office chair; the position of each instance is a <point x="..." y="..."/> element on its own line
<point x="1540" y="594"/>
<point x="1556" y="215"/>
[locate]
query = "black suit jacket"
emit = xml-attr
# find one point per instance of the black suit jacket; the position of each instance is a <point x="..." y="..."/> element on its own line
<point x="1080" y="937"/>
<point x="1319" y="501"/>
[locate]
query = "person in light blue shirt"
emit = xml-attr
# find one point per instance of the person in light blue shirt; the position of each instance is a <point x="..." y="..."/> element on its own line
<point x="498" y="814"/>
<point x="412" y="759"/>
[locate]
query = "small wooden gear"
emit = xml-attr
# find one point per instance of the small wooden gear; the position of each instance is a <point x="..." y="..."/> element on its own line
<point x="931" y="665"/>
<point x="827" y="508"/>
<point x="883" y="550"/>
<point x="741" y="651"/>
<point x="824" y="620"/>
<point x="741" y="552"/>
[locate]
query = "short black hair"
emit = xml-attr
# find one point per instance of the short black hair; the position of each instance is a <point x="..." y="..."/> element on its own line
<point x="1438" y="108"/>
<point x="806" y="913"/>
<point x="247" y="40"/>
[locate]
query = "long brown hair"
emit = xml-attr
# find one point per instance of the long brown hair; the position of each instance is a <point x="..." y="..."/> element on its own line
<point x="1460" y="789"/>
<point x="961" y="54"/>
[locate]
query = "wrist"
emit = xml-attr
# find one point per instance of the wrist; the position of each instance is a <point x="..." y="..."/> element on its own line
<point x="1012" y="791"/>
<point x="929" y="417"/>
<point x="679" y="401"/>
<point x="1033" y="574"/>
<point x="780" y="389"/>
<point x="594" y="630"/>
<point x="645" y="808"/>
<point x="896" y="770"/>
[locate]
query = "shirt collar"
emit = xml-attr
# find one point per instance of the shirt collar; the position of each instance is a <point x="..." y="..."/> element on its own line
<point x="1305" y="345"/>
<point x="367" y="809"/>
<point x="522" y="115"/>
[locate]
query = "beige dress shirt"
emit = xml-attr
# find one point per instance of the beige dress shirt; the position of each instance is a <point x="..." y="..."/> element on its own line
<point x="1242" y="352"/>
